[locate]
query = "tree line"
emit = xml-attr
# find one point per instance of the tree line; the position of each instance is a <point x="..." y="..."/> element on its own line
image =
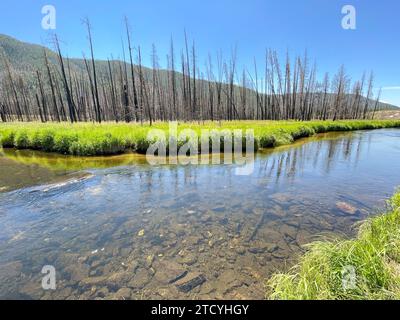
<point x="126" y="91"/>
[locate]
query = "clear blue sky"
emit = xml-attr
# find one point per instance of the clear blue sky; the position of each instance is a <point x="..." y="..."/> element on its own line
<point x="251" y="25"/>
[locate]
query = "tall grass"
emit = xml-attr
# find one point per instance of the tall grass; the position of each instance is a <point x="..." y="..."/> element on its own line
<point x="374" y="256"/>
<point x="87" y="139"/>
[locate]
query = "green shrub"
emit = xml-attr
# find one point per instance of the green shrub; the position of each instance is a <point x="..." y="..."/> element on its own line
<point x="64" y="142"/>
<point x="267" y="141"/>
<point x="48" y="141"/>
<point x="7" y="138"/>
<point x="21" y="140"/>
<point x="142" y="145"/>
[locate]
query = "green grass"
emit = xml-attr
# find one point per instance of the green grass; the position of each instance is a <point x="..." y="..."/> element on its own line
<point x="374" y="254"/>
<point x="88" y="139"/>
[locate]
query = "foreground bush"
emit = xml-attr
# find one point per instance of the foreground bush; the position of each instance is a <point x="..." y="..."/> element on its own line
<point x="87" y="139"/>
<point x="374" y="256"/>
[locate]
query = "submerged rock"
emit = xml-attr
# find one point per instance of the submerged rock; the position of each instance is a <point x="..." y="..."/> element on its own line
<point x="228" y="280"/>
<point x="277" y="211"/>
<point x="117" y="279"/>
<point x="168" y="272"/>
<point x="281" y="197"/>
<point x="240" y="250"/>
<point x="189" y="259"/>
<point x="347" y="208"/>
<point x="92" y="281"/>
<point x="124" y="294"/>
<point x="141" y="278"/>
<point x="150" y="260"/>
<point x="77" y="272"/>
<point x="289" y="231"/>
<point x="190" y="281"/>
<point x="219" y="209"/>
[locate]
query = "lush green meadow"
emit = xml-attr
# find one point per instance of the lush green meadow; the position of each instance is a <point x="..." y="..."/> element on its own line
<point x="89" y="139"/>
<point x="374" y="255"/>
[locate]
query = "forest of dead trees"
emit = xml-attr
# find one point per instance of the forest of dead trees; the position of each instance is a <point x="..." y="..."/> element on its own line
<point x="126" y="91"/>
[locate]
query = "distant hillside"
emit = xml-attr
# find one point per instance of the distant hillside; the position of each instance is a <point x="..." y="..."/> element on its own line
<point x="31" y="94"/>
<point x="27" y="57"/>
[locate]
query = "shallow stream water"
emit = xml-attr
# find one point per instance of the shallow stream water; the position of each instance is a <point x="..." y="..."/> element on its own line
<point x="118" y="228"/>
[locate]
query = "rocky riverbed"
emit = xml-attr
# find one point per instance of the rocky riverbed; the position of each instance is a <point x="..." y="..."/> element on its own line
<point x="174" y="232"/>
<point x="194" y="252"/>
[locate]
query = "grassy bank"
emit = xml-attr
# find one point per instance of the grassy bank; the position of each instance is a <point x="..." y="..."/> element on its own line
<point x="374" y="256"/>
<point x="87" y="139"/>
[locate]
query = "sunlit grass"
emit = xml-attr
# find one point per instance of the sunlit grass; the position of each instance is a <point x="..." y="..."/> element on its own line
<point x="374" y="255"/>
<point x="88" y="139"/>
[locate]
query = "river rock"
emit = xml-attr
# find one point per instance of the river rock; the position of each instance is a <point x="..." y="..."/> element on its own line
<point x="205" y="218"/>
<point x="189" y="259"/>
<point x="91" y="281"/>
<point x="124" y="294"/>
<point x="282" y="251"/>
<point x="132" y="266"/>
<point x="257" y="250"/>
<point x="168" y="272"/>
<point x="190" y="281"/>
<point x="240" y="250"/>
<point x="219" y="209"/>
<point x="281" y="197"/>
<point x="270" y="233"/>
<point x="228" y="280"/>
<point x="10" y="270"/>
<point x="277" y="211"/>
<point x="102" y="292"/>
<point x="117" y="279"/>
<point x="207" y="289"/>
<point x="62" y="293"/>
<point x="77" y="272"/>
<point x="194" y="240"/>
<point x="303" y="237"/>
<point x="149" y="260"/>
<point x="179" y="229"/>
<point x="280" y="254"/>
<point x="346" y="208"/>
<point x="271" y="247"/>
<point x="30" y="290"/>
<point x="289" y="231"/>
<point x="141" y="278"/>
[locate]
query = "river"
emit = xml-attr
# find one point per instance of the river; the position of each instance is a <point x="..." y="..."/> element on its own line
<point x="118" y="228"/>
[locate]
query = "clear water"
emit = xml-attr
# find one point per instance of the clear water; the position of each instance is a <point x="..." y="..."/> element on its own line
<point x="117" y="228"/>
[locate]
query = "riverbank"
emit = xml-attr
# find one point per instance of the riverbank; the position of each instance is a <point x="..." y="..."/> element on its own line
<point x="367" y="267"/>
<point x="88" y="139"/>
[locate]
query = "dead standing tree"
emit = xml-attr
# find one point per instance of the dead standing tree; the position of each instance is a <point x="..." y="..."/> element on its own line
<point x="135" y="97"/>
<point x="71" y="106"/>
<point x="120" y="90"/>
<point x="95" y="85"/>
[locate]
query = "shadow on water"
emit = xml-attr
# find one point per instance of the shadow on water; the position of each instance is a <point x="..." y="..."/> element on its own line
<point x="119" y="228"/>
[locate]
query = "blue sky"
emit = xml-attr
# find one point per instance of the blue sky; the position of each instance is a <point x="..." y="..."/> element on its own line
<point x="251" y="26"/>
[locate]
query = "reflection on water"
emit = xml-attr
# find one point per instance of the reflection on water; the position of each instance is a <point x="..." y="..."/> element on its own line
<point x="136" y="231"/>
